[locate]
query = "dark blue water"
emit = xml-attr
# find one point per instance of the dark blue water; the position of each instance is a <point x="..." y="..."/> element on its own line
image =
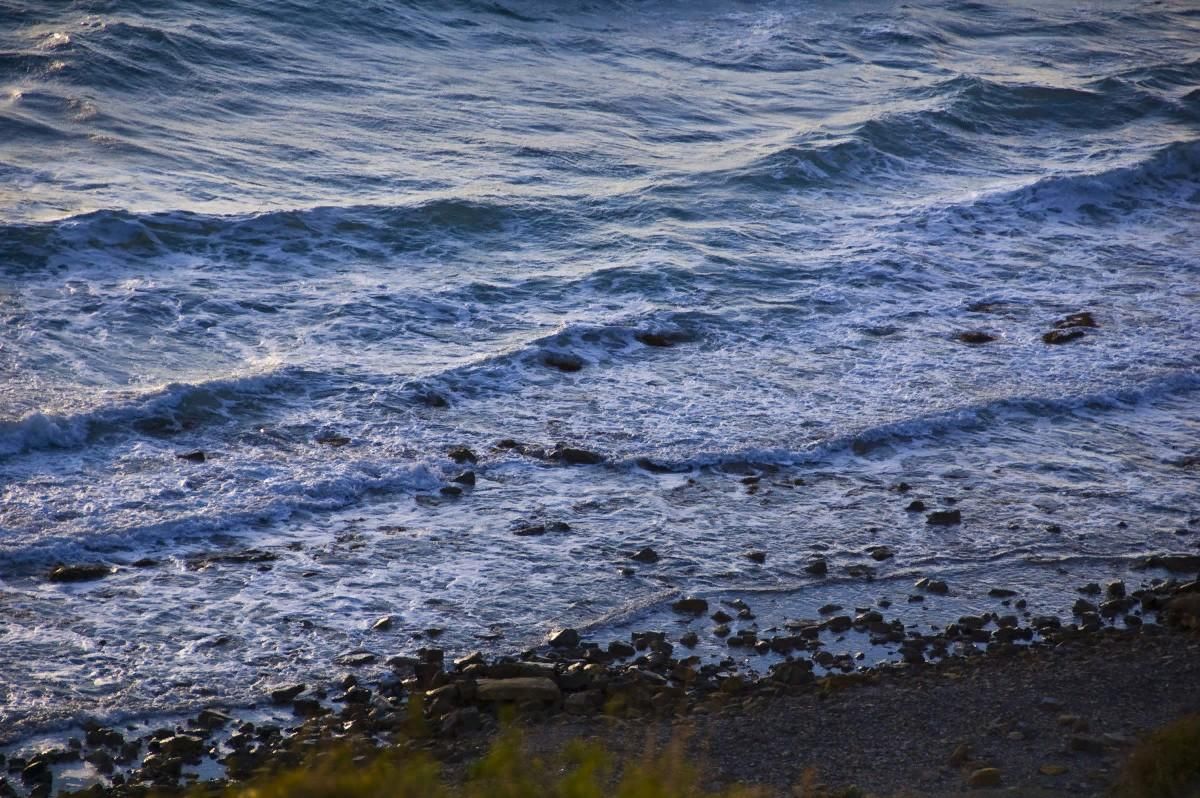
<point x="324" y="243"/>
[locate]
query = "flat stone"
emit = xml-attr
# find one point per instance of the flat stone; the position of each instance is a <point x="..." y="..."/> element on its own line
<point x="690" y="605"/>
<point x="518" y="689"/>
<point x="564" y="638"/>
<point x="984" y="777"/>
<point x="282" y="695"/>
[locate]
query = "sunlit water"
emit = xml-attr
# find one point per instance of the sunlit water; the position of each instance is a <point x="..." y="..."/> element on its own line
<point x="258" y="229"/>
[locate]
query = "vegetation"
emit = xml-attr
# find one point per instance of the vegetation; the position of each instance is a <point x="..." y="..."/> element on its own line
<point x="1166" y="764"/>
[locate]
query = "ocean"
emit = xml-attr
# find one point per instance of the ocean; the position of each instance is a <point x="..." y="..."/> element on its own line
<point x="752" y="284"/>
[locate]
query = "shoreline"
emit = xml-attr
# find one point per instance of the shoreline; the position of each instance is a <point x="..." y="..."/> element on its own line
<point x="581" y="688"/>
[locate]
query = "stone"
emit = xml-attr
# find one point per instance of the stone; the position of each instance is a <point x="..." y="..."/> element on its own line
<point x="382" y="624"/>
<point x="1074" y="320"/>
<point x="1062" y="336"/>
<point x="915" y="506"/>
<point x="975" y="337"/>
<point x="182" y="745"/>
<point x="1001" y="592"/>
<point x="690" y="606"/>
<point x="213" y="719"/>
<point x="817" y="567"/>
<point x="880" y="553"/>
<point x="465" y="478"/>
<point x="461" y="454"/>
<point x="1115" y="590"/>
<point x="1082" y="606"/>
<point x="960" y="755"/>
<point x="1051" y="769"/>
<point x="1182" y="563"/>
<point x="192" y="457"/>
<point x="562" y="361"/>
<point x="758" y="557"/>
<point x="79" y="573"/>
<point x="944" y="518"/>
<point x="527" y="688"/>
<point x="984" y="777"/>
<point x="355" y="659"/>
<point x="932" y="586"/>
<point x="335" y="441"/>
<point x="829" y="609"/>
<point x="1086" y="744"/>
<point x="308" y="708"/>
<point x="660" y="339"/>
<point x="564" y="638"/>
<point x="573" y="456"/>
<point x="282" y="695"/>
<point x="646" y="555"/>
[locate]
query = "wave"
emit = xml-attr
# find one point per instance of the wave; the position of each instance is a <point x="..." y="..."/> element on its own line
<point x="169" y="409"/>
<point x="364" y="231"/>
<point x="927" y="428"/>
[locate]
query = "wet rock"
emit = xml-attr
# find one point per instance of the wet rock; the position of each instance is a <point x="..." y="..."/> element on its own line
<point x="144" y="562"/>
<point x="817" y="567"/>
<point x="573" y="456"/>
<point x="880" y="553"/>
<point x="562" y="361"/>
<point x="1062" y="336"/>
<point x="975" y="337"/>
<point x="518" y="689"/>
<point x="79" y="573"/>
<point x="759" y="557"/>
<point x="284" y="694"/>
<point x="308" y="708"/>
<point x="1082" y="606"/>
<point x="829" y="609"/>
<point x="1115" y="590"/>
<point x="465" y="478"/>
<point x="839" y="623"/>
<point x="660" y="339"/>
<point x="564" y="638"/>
<point x="242" y="557"/>
<point x="690" y="606"/>
<point x="335" y="441"/>
<point x="355" y="659"/>
<point x="646" y="555"/>
<point x="984" y="777"/>
<point x="37" y="771"/>
<point x="1090" y="589"/>
<point x="936" y="586"/>
<point x="1075" y="320"/>
<point x="621" y="649"/>
<point x="960" y="755"/>
<point x="859" y="571"/>
<point x="101" y="760"/>
<point x="1180" y="563"/>
<point x="689" y="639"/>
<point x="1001" y="592"/>
<point x="1086" y="744"/>
<point x="433" y="399"/>
<point x="185" y="746"/>
<point x="944" y="518"/>
<point x="915" y="506"/>
<point x="461" y="454"/>
<point x="451" y="490"/>
<point x="192" y="457"/>
<point x="382" y="624"/>
<point x="534" y="530"/>
<point x="721" y="630"/>
<point x="212" y="719"/>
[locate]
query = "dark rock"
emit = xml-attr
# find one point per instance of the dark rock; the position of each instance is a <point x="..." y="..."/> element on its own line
<point x="646" y="555"/>
<point x="859" y="571"/>
<point x="572" y="456"/>
<point x="620" y="649"/>
<point x="880" y="553"/>
<point x="564" y="638"/>
<point x="1062" y="336"/>
<point x="308" y="708"/>
<point x="465" y="478"/>
<point x="660" y="339"/>
<point x="1090" y="589"/>
<point x="720" y="616"/>
<point x="1001" y="592"/>
<point x="433" y="399"/>
<point x="915" y="506"/>
<point x="1083" y="605"/>
<point x="333" y="440"/>
<point x="829" y="609"/>
<point x="817" y="567"/>
<point x="461" y="454"/>
<point x="839" y="623"/>
<point x="212" y="719"/>
<point x="518" y="689"/>
<point x="975" y="337"/>
<point x="144" y="562"/>
<point x="186" y="746"/>
<point x="79" y="573"/>
<point x="759" y="557"/>
<point x="1082" y="319"/>
<point x="562" y="361"/>
<point x="689" y="639"/>
<point x="192" y="457"/>
<point x="451" y="490"/>
<point x="690" y="605"/>
<point x="932" y="586"/>
<point x="282" y="695"/>
<point x="983" y="778"/>
<point x="382" y="624"/>
<point x="1180" y="563"/>
<point x="355" y="659"/>
<point x="944" y="518"/>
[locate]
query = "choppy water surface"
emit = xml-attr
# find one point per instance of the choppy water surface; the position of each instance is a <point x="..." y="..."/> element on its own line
<point x="324" y="243"/>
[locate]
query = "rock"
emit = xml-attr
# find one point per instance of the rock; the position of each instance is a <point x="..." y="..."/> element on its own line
<point x="1115" y="590"/>
<point x="759" y="557"/>
<point x="451" y="490"/>
<point x="573" y="456"/>
<point x="880" y="553"/>
<point x="944" y="518"/>
<point x="720" y="616"/>
<point x="465" y="478"/>
<point x="1090" y="589"/>
<point x="521" y="670"/>
<point x="915" y="506"/>
<point x="984" y="777"/>
<point x="829" y="609"/>
<point x="660" y="339"/>
<point x="433" y="399"/>
<point x="817" y="567"/>
<point x="564" y="638"/>
<point x="1183" y="611"/>
<point x="183" y="745"/>
<point x="79" y="573"/>
<point x="192" y="457"/>
<point x="839" y="623"/>
<point x="562" y="361"/>
<point x="1061" y="336"/>
<point x="282" y="695"/>
<point x="212" y="719"/>
<point x="101" y="760"/>
<point x="1073" y="320"/>
<point x="518" y="689"/>
<point x="308" y="708"/>
<point x="621" y="649"/>
<point x="1182" y="563"/>
<point x="721" y="630"/>
<point x="1086" y="744"/>
<point x="689" y="639"/>
<point x="1050" y="769"/>
<point x="646" y="555"/>
<point x="690" y="606"/>
<point x="335" y="441"/>
<point x="859" y="571"/>
<point x="960" y="756"/>
<point x="1082" y="606"/>
<point x="932" y="586"/>
<point x="355" y="659"/>
<point x="461" y="454"/>
<point x="975" y="337"/>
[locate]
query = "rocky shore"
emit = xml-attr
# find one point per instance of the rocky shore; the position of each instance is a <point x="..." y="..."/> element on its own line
<point x="981" y="699"/>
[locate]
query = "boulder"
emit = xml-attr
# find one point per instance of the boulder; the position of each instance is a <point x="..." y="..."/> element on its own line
<point x="79" y="573"/>
<point x="522" y="688"/>
<point x="984" y="777"/>
<point x="944" y="518"/>
<point x="690" y="605"/>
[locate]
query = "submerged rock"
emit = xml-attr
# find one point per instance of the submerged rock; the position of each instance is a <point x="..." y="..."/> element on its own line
<point x="944" y="518"/>
<point x="562" y="361"/>
<point x="1062" y="336"/>
<point x="196" y="456"/>
<point x="975" y="337"/>
<point x="461" y="454"/>
<point x="79" y="573"/>
<point x="690" y="606"/>
<point x="646" y="555"/>
<point x="1081" y="319"/>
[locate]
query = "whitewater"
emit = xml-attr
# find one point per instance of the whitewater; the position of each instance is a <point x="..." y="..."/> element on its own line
<point x="772" y="271"/>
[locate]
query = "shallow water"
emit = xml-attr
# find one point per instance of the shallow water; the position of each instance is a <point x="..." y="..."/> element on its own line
<point x="255" y="230"/>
